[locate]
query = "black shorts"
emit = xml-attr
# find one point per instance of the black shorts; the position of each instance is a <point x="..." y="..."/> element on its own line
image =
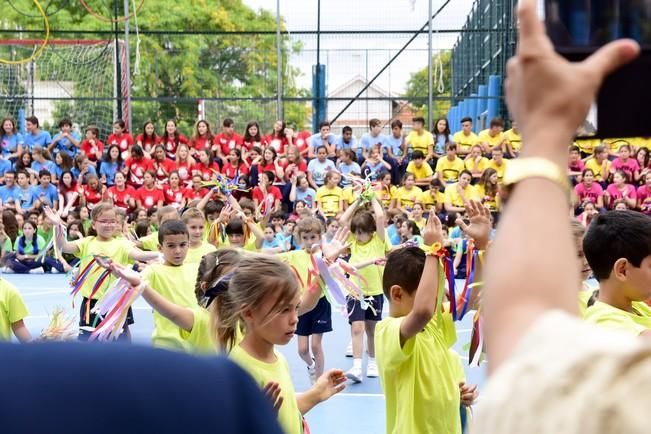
<point x="358" y="314"/>
<point x="316" y="321"/>
<point x="95" y="319"/>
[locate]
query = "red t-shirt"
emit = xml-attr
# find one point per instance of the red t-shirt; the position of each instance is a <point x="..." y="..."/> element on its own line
<point x="163" y="169"/>
<point x="192" y="194"/>
<point x="91" y="196"/>
<point x="269" y="167"/>
<point x="199" y="143"/>
<point x="279" y="145"/>
<point x="232" y="171"/>
<point x="149" y="198"/>
<point x="137" y="170"/>
<point x="124" y="142"/>
<point x="174" y="197"/>
<point x="248" y="145"/>
<point x="295" y="170"/>
<point x="92" y="151"/>
<point x="272" y="191"/>
<point x="185" y="171"/>
<point x="227" y="143"/>
<point x="301" y="141"/>
<point x="147" y="144"/>
<point x="205" y="172"/>
<point x="170" y="145"/>
<point x="121" y="198"/>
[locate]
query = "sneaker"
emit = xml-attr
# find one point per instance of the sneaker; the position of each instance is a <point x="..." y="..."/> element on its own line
<point x="7" y="270"/>
<point x="371" y="370"/>
<point x="355" y="375"/>
<point x="38" y="270"/>
<point x="349" y="349"/>
<point x="311" y="372"/>
<point x="54" y="271"/>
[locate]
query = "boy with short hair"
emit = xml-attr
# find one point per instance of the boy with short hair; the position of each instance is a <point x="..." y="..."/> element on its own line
<point x="449" y="167"/>
<point x="465" y="139"/>
<point x="423" y="173"/>
<point x="373" y="139"/>
<point x="323" y="138"/>
<point x="45" y="192"/>
<point x="492" y="137"/>
<point x="617" y="246"/>
<point x="195" y="222"/>
<point x="419" y="139"/>
<point x="35" y="136"/>
<point x="498" y="163"/>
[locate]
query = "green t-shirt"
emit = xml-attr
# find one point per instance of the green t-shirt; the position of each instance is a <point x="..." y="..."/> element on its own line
<point x="29" y="246"/>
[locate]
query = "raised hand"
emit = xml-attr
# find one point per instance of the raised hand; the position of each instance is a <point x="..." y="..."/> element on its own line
<point x="480" y="224"/>
<point x="330" y="383"/>
<point x="339" y="243"/>
<point x="432" y="233"/>
<point x="468" y="394"/>
<point x="52" y="216"/>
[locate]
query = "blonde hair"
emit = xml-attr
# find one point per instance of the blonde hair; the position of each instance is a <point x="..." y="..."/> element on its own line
<point x="192" y="213"/>
<point x="578" y="230"/>
<point x="255" y="278"/>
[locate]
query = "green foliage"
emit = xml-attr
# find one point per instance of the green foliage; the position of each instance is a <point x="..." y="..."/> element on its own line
<point x="416" y="92"/>
<point x="183" y="66"/>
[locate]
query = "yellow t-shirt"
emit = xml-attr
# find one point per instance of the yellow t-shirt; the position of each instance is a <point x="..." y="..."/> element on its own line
<point x="492" y="203"/>
<point x="501" y="169"/>
<point x="587" y="145"/>
<point x="464" y="142"/>
<point x="514" y="139"/>
<point x="249" y="245"/>
<point x="196" y="253"/>
<point x="422" y="172"/>
<point x="429" y="200"/>
<point x="12" y="309"/>
<point x="408" y="375"/>
<point x="485" y="137"/>
<point x="330" y="200"/>
<point x="201" y="338"/>
<point x="386" y="195"/>
<point x="592" y="164"/>
<point x="116" y="249"/>
<point x="150" y="242"/>
<point x="420" y="142"/>
<point x="450" y="169"/>
<point x="643" y="142"/>
<point x="407" y="198"/>
<point x="349" y="195"/>
<point x="375" y="248"/>
<point x="616" y="319"/>
<point x="455" y="199"/>
<point x="176" y="284"/>
<point x="298" y="260"/>
<point x="289" y="416"/>
<point x="420" y="223"/>
<point x="471" y="164"/>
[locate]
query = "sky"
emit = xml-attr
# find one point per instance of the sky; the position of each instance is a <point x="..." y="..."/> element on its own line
<point x="350" y="55"/>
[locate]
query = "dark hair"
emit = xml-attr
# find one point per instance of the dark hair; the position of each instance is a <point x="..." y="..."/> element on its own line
<point x="415" y="230"/>
<point x="346" y="129"/>
<point x="490" y="189"/>
<point x="93" y="129"/>
<point x="80" y="225"/>
<point x="497" y="122"/>
<point x="321" y="147"/>
<point x="211" y="280"/>
<point x="166" y="135"/>
<point x="323" y="124"/>
<point x="599" y="149"/>
<point x="446" y="132"/>
<point x="10" y="223"/>
<point x="32" y="120"/>
<point x="374" y="122"/>
<point x="228" y="122"/>
<point x="248" y="137"/>
<point x="154" y="136"/>
<point x="107" y="156"/>
<point x="404" y="268"/>
<point x="213" y="206"/>
<point x="65" y="121"/>
<point x="21" y="239"/>
<point x="396" y="123"/>
<point x="44" y="172"/>
<point x="137" y="151"/>
<point x="172" y="227"/>
<point x="466" y="119"/>
<point x="646" y="156"/>
<point x="234" y="227"/>
<point x="465" y="172"/>
<point x="586" y="171"/>
<point x="20" y="166"/>
<point x="417" y="155"/>
<point x="66" y="161"/>
<point x="141" y="229"/>
<point x="13" y="125"/>
<point x="364" y="221"/>
<point x="614" y="235"/>
<point x="451" y="146"/>
<point x="574" y="148"/>
<point x="22" y="172"/>
<point x="419" y="119"/>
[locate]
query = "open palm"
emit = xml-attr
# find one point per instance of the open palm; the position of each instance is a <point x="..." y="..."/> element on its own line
<point x="480" y="224"/>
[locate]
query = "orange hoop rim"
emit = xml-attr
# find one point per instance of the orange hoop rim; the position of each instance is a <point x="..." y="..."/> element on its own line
<point x="111" y="20"/>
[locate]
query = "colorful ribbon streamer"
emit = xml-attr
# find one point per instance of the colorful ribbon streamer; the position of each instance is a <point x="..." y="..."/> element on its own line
<point x="114" y="308"/>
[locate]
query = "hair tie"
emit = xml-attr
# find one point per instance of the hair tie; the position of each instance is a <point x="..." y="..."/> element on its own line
<point x="220" y="287"/>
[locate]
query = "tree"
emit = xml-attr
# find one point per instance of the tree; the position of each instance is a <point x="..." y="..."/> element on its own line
<point x="180" y="69"/>
<point x="416" y="93"/>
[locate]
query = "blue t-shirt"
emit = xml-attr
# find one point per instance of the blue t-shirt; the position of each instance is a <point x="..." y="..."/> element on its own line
<point x="10" y="143"/>
<point x="9" y="195"/>
<point x="315" y="140"/>
<point x="42" y="139"/>
<point x="270" y="244"/>
<point x="439" y="144"/>
<point x="394" y="144"/>
<point x="47" y="195"/>
<point x="371" y="170"/>
<point x="368" y="141"/>
<point x="340" y="144"/>
<point x="109" y="170"/>
<point x="319" y="170"/>
<point x="5" y="165"/>
<point x="308" y="196"/>
<point x="75" y="173"/>
<point x="65" y="145"/>
<point x="347" y="169"/>
<point x="394" y="235"/>
<point x="47" y="165"/>
<point x="26" y="197"/>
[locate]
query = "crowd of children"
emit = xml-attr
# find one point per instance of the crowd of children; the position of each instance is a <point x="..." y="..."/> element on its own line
<point x="151" y="204"/>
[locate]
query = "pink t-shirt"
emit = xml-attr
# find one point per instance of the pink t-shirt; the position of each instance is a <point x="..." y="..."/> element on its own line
<point x="576" y="166"/>
<point x="644" y="196"/>
<point x="592" y="194"/>
<point x="615" y="194"/>
<point x="629" y="167"/>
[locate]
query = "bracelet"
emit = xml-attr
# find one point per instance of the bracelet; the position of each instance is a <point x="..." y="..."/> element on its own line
<point x="435" y="249"/>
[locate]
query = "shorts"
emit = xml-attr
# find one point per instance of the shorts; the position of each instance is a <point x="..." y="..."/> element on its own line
<point x="358" y="314"/>
<point x="95" y="319"/>
<point x="316" y="321"/>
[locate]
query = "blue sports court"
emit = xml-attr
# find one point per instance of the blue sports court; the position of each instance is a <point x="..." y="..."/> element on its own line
<point x="359" y="409"/>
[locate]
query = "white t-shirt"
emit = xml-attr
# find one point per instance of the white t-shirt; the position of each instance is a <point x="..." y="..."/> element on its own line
<point x="569" y="377"/>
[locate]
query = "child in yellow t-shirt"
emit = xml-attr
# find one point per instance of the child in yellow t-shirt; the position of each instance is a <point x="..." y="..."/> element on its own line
<point x="387" y="193"/>
<point x="195" y="221"/>
<point x="150" y="242"/>
<point x="422" y="171"/>
<point x="104" y="221"/>
<point x="12" y="314"/>
<point x="408" y="194"/>
<point x="449" y="167"/>
<point x="475" y="162"/>
<point x="617" y="246"/>
<point x="330" y="197"/>
<point x="368" y="244"/>
<point x="459" y="193"/>
<point x="433" y="199"/>
<point x="417" y="216"/>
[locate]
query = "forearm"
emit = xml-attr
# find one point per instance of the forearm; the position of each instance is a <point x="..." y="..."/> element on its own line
<point x="143" y="256"/>
<point x="307" y="400"/>
<point x="20" y="331"/>
<point x="182" y="317"/>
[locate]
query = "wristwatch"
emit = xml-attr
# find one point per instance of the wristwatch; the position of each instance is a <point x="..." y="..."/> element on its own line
<point x="520" y="169"/>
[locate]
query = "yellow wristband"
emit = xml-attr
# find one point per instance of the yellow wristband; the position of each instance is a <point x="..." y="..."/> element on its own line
<point x="432" y="250"/>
